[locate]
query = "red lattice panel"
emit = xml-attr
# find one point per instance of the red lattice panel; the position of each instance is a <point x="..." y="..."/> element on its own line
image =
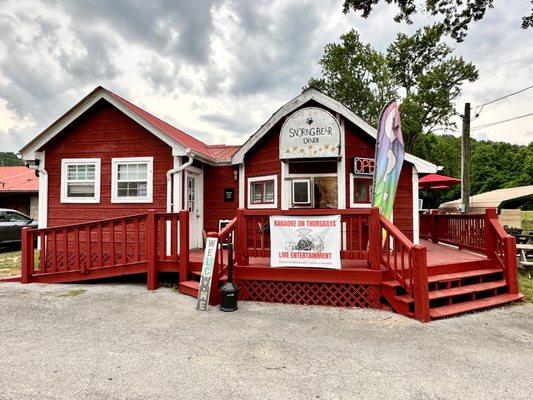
<point x="311" y="293"/>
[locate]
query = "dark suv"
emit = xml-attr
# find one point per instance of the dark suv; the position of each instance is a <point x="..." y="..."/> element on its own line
<point x="11" y="223"/>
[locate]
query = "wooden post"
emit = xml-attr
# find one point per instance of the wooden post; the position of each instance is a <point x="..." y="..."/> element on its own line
<point x="490" y="235"/>
<point x="26" y="255"/>
<point x="420" y="283"/>
<point x="511" y="264"/>
<point x="241" y="239"/>
<point x="465" y="160"/>
<point x="151" y="254"/>
<point x="184" y="245"/>
<point x="374" y="241"/>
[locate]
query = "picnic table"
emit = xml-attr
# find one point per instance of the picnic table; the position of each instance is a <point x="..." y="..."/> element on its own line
<point x="523" y="252"/>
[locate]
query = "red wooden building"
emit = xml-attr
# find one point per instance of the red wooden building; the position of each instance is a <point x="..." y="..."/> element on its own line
<point x="123" y="192"/>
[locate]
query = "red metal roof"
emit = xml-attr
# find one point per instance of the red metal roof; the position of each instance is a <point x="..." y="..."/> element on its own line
<point x="218" y="152"/>
<point x="18" y="179"/>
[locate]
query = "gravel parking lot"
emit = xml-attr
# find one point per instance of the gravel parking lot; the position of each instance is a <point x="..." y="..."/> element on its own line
<point x="119" y="341"/>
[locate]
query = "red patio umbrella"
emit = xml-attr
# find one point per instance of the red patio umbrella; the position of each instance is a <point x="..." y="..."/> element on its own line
<point x="436" y="181"/>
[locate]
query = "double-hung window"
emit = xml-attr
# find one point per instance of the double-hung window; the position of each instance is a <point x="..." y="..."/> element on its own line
<point x="132" y="180"/>
<point x="80" y="180"/>
<point x="262" y="192"/>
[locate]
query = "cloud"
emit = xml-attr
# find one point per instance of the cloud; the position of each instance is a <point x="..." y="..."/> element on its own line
<point x="217" y="68"/>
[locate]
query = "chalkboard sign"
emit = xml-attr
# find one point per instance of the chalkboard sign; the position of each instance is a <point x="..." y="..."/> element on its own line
<point x="229" y="194"/>
<point x="207" y="273"/>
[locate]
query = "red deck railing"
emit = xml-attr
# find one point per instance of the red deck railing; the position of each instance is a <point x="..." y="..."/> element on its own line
<point x="502" y="247"/>
<point x="408" y="265"/>
<point x="130" y="244"/>
<point x="466" y="231"/>
<point x="253" y="234"/>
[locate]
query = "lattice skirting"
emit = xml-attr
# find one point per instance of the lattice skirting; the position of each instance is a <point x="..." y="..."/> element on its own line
<point x="311" y="293"/>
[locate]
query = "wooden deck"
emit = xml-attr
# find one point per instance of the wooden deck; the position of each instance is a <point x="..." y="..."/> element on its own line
<point x="437" y="255"/>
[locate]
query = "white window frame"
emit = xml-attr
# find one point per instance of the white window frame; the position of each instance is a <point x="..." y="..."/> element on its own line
<point x="115" y="162"/>
<point x="259" y="179"/>
<point x="299" y="203"/>
<point x="354" y="204"/>
<point x="64" y="174"/>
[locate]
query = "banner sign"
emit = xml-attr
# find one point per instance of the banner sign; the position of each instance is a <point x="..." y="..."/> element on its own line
<point x="389" y="159"/>
<point x="303" y="241"/>
<point x="310" y="133"/>
<point x="207" y="273"/>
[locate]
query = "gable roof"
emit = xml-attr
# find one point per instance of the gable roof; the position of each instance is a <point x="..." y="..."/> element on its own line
<point x="307" y="95"/>
<point x="180" y="141"/>
<point x="18" y="179"/>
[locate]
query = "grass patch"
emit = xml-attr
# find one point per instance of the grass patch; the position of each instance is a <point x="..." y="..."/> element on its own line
<point x="526" y="287"/>
<point x="11" y="262"/>
<point x="73" y="293"/>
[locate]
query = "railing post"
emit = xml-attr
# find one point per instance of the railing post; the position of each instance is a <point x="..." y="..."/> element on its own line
<point x="374" y="239"/>
<point x="26" y="255"/>
<point x="511" y="264"/>
<point x="151" y="251"/>
<point x="420" y="283"/>
<point x="241" y="239"/>
<point x="434" y="232"/>
<point x="490" y="235"/>
<point x="184" y="245"/>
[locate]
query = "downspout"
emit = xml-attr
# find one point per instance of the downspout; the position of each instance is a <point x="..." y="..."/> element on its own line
<point x="173" y="171"/>
<point x="38" y="166"/>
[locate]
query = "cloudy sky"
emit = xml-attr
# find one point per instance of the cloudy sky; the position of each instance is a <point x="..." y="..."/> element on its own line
<point x="218" y="69"/>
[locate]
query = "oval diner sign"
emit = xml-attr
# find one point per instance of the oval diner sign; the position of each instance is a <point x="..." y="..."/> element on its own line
<point x="310" y="133"/>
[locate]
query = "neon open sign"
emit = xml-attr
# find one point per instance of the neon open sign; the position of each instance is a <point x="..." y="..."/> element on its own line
<point x="364" y="166"/>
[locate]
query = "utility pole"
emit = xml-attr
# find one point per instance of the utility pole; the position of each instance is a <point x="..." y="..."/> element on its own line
<point x="465" y="160"/>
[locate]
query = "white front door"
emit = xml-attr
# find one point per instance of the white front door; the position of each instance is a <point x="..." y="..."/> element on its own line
<point x="194" y="204"/>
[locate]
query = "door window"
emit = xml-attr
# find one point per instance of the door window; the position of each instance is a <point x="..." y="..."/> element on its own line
<point x="191" y="194"/>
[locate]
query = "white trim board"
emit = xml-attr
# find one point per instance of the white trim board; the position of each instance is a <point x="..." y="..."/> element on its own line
<point x="422" y="166"/>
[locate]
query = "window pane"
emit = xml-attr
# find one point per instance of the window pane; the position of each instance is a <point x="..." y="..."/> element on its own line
<point x="325" y="190"/>
<point x="81" y="172"/>
<point x="132" y="189"/>
<point x="132" y="171"/>
<point x="300" y="193"/>
<point x="269" y="192"/>
<point x="361" y="191"/>
<point x="15" y="217"/>
<point x="256" y="192"/>
<point x="80" y="190"/>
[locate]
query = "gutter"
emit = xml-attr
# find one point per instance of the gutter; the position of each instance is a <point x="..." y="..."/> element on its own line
<point x="173" y="171"/>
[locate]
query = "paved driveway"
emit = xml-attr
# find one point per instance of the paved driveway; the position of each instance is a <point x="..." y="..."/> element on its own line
<point x="122" y="342"/>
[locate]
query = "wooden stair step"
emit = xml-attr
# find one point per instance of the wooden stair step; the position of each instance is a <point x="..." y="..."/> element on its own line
<point x="198" y="273"/>
<point x="456" y="291"/>
<point x="467" y="306"/>
<point x="190" y="288"/>
<point x="448" y="277"/>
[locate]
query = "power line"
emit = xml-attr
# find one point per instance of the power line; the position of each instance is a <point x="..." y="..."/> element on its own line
<point x="500" y="122"/>
<point x="498" y="99"/>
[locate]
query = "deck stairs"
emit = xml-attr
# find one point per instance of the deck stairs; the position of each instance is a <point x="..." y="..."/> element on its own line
<point x="190" y="287"/>
<point x="470" y="287"/>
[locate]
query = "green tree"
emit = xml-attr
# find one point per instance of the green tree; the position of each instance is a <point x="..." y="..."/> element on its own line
<point x="456" y="15"/>
<point x="9" y="158"/>
<point x="420" y="66"/>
